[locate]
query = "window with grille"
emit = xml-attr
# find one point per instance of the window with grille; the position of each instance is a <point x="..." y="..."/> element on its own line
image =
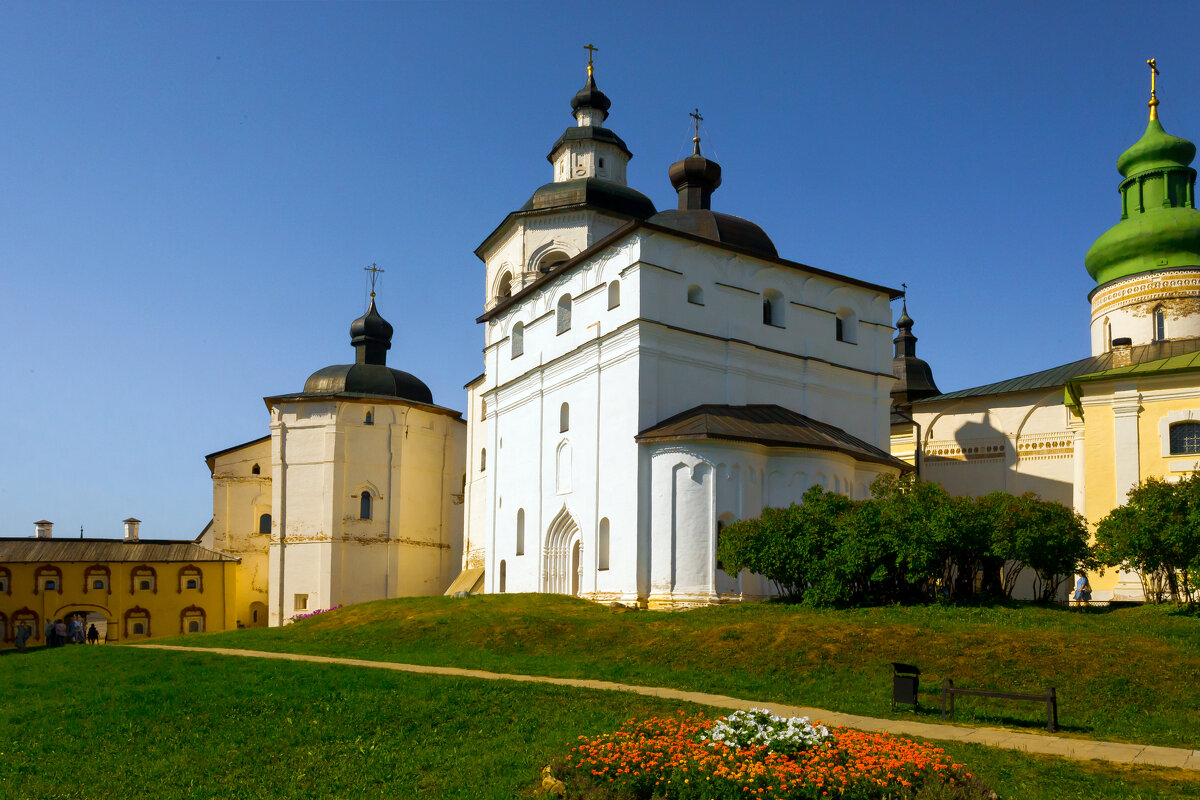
<point x="1185" y="438"/>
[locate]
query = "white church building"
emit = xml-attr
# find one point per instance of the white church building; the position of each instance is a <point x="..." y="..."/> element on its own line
<point x="649" y="377"/>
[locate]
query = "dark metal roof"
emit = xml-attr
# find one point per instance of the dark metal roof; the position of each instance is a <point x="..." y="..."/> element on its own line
<point x="768" y="425"/>
<point x="26" y="550"/>
<point x="725" y="228"/>
<point x="367" y="379"/>
<point x="432" y="408"/>
<point x="583" y="133"/>
<point x="593" y="193"/>
<point x="1058" y="376"/>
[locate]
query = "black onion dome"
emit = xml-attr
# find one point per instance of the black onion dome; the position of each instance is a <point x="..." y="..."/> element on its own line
<point x="371" y="336"/>
<point x="370" y="325"/>
<point x="591" y="97"/>
<point x="695" y="178"/>
<point x="914" y="376"/>
<point x="594" y="193"/>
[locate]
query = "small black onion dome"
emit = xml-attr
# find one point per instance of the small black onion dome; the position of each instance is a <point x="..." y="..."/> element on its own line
<point x="370" y="325"/>
<point x="590" y="97"/>
<point x="594" y="193"/>
<point x="695" y="178"/>
<point x="371" y="336"/>
<point x="914" y="376"/>
<point x="697" y="172"/>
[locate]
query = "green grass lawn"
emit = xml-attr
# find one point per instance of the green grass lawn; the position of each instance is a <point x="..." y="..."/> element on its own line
<point x="1128" y="675"/>
<point x="123" y="722"/>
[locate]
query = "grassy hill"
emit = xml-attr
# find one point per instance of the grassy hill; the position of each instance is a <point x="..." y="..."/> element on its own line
<point x="120" y="722"/>
<point x="1127" y="675"/>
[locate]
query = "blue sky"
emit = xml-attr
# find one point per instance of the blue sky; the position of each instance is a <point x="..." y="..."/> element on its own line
<point x="190" y="191"/>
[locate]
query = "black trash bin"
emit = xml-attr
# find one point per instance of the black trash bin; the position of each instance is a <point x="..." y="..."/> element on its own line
<point x="906" y="681"/>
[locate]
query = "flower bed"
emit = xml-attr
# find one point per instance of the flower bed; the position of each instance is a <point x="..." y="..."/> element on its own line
<point x="311" y="614"/>
<point x="756" y="755"/>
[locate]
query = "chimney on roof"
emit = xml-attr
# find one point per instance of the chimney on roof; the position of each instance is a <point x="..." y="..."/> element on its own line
<point x="131" y="529"/>
<point x="42" y="528"/>
<point x="1122" y="350"/>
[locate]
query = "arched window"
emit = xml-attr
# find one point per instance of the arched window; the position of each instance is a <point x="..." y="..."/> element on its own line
<point x="191" y="620"/>
<point x="564" y="313"/>
<point x="255" y="470"/>
<point x="552" y="260"/>
<point x="564" y="418"/>
<point x="1107" y="335"/>
<point x="773" y="308"/>
<point x="846" y="326"/>
<point x="695" y="295"/>
<point x="614" y="294"/>
<point x="602" y="545"/>
<point x="264" y="523"/>
<point x="364" y="505"/>
<point x="483" y="409"/>
<point x="1185" y="438"/>
<point x="482" y="459"/>
<point x="503" y="576"/>
<point x="504" y="288"/>
<point x="517" y="342"/>
<point x="520" y="531"/>
<point x="1160" y="324"/>
<point x="369" y="419"/>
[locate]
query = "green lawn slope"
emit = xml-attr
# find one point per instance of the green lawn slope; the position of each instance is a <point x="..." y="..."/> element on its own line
<point x="1126" y="675"/>
<point x="126" y="722"/>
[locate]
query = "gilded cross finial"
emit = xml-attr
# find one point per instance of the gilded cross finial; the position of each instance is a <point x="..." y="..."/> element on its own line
<point x="374" y="270"/>
<point x="591" y="48"/>
<point x="1153" y="89"/>
<point x="696" y="120"/>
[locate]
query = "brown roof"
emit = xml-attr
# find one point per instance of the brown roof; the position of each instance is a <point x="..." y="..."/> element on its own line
<point x="28" y="550"/>
<point x="769" y="425"/>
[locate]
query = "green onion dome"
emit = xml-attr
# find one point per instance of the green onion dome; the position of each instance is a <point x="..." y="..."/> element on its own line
<point x="1160" y="226"/>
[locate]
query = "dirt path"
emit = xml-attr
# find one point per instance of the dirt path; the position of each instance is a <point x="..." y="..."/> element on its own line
<point x="1048" y="744"/>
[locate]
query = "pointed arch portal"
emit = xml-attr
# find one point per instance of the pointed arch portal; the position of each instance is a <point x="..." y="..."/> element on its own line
<point x="562" y="558"/>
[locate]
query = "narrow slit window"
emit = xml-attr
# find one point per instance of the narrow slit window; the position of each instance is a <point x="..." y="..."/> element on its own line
<point x="564" y="418"/>
<point x="364" y="505"/>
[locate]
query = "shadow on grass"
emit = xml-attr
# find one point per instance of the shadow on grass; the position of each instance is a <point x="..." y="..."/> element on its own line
<point x="965" y="716"/>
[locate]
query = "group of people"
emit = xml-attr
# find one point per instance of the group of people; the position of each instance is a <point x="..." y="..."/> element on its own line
<point x="58" y="633"/>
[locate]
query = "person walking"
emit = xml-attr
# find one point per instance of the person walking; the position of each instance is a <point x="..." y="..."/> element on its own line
<point x="50" y="633"/>
<point x="93" y="635"/>
<point x="23" y="634"/>
<point x="60" y="632"/>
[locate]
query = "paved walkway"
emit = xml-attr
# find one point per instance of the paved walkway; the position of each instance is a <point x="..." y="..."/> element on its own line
<point x="1048" y="744"/>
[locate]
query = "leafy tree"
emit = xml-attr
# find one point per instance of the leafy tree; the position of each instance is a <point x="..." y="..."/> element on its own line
<point x="1157" y="533"/>
<point x="1041" y="535"/>
<point x="918" y="518"/>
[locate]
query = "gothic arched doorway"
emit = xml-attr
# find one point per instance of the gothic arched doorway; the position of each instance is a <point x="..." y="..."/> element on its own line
<point x="562" y="556"/>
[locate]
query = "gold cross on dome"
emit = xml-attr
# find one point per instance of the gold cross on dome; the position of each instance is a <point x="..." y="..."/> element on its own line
<point x="591" y="48"/>
<point x="1153" y="89"/>
<point x="374" y="270"/>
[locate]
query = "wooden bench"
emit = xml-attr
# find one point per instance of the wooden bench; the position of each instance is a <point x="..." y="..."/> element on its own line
<point x="1048" y="697"/>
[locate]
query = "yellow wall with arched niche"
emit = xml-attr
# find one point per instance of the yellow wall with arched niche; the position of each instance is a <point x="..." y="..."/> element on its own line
<point x="164" y="609"/>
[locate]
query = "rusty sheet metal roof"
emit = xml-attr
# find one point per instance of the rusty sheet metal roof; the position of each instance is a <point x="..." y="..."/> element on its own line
<point x="769" y="425"/>
<point x="30" y="550"/>
<point x="1060" y="375"/>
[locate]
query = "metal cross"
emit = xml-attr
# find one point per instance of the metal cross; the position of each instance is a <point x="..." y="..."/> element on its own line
<point x="1153" y="93"/>
<point x="374" y="270"/>
<point x="1153" y="72"/>
<point x="591" y="48"/>
<point x="697" y="119"/>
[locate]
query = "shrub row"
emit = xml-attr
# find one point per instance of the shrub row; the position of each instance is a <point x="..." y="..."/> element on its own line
<point x="910" y="542"/>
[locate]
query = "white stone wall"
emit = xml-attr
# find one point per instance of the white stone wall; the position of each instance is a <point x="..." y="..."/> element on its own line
<point x="410" y="459"/>
<point x="626" y="367"/>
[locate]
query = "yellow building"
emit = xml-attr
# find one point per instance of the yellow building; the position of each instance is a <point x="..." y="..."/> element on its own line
<point x="128" y="588"/>
<point x="1086" y="432"/>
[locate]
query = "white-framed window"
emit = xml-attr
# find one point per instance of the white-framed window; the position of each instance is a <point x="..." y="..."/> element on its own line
<point x="1179" y="433"/>
<point x="773" y="306"/>
<point x="602" y="545"/>
<point x="517" y="340"/>
<point x="563" y="314"/>
<point x="846" y="326"/>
